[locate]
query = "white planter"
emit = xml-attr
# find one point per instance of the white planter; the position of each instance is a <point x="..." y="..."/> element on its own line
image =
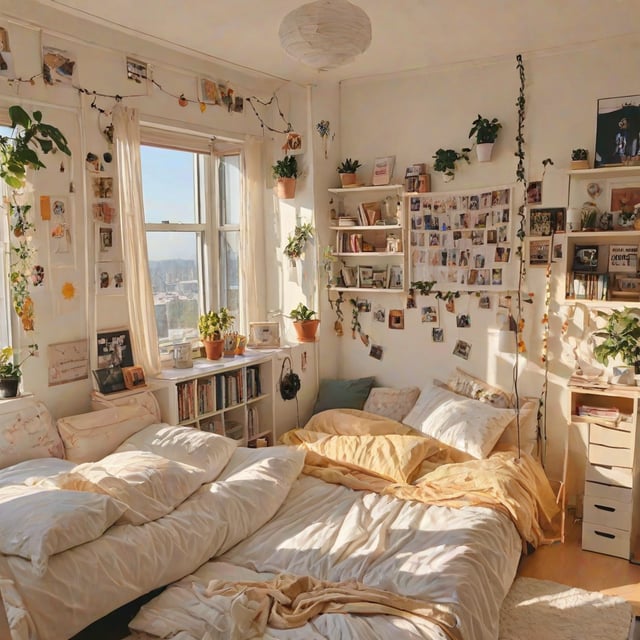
<point x="483" y="151"/>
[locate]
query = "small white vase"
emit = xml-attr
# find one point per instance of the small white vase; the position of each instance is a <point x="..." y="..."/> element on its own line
<point x="483" y="151"/>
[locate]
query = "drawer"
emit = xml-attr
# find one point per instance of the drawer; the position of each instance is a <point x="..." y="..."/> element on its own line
<point x="607" y="492"/>
<point x="609" y="475"/>
<point x="605" y="540"/>
<point x="607" y="512"/>
<point x="611" y="456"/>
<point x="610" y="437"/>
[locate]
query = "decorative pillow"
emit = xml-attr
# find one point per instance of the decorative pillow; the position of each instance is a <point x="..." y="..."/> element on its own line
<point x="90" y="436"/>
<point x="145" y="399"/>
<point x="40" y="467"/>
<point x="149" y="485"/>
<point x="467" y="385"/>
<point x="468" y="425"/>
<point x="343" y="394"/>
<point x="36" y="523"/>
<point x="528" y="429"/>
<point x="391" y="403"/>
<point x="206" y="451"/>
<point x="27" y="431"/>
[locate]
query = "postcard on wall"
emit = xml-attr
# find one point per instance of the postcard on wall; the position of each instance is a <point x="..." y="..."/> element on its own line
<point x="107" y="243"/>
<point x="57" y="66"/>
<point x="209" y="93"/>
<point x="6" y="57"/>
<point x="114" y="348"/>
<point x="68" y="362"/>
<point x="623" y="258"/>
<point x="383" y="170"/>
<point x="110" y="278"/>
<point x="104" y="212"/>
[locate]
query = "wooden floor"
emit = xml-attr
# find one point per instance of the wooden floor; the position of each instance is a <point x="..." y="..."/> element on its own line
<point x="568" y="564"/>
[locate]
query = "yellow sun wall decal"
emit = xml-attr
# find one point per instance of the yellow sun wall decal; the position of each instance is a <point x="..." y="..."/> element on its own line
<point x="68" y="291"/>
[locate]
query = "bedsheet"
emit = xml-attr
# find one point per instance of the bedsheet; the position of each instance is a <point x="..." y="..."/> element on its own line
<point x="86" y="582"/>
<point x="464" y="559"/>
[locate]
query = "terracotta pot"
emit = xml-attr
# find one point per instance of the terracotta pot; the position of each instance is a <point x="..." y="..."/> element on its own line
<point x="306" y="330"/>
<point x="286" y="188"/>
<point x="9" y="387"/>
<point x="213" y="349"/>
<point x="347" y="179"/>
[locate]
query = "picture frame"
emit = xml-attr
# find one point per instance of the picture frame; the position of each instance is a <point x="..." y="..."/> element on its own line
<point x="264" y="335"/>
<point x="539" y="251"/>
<point x="382" y="170"/>
<point x="617" y="143"/>
<point x="396" y="318"/>
<point x="133" y="377"/>
<point x="114" y="348"/>
<point x="462" y="349"/>
<point x="109" y="380"/>
<point x="396" y="277"/>
<point x="208" y="91"/>
<point x="624" y="204"/>
<point x="585" y="258"/>
<point x="365" y="276"/>
<point x="349" y="276"/>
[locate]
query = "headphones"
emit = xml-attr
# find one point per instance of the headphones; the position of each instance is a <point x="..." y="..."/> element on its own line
<point x="289" y="381"/>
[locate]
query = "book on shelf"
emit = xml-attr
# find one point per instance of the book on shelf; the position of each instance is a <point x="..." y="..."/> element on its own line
<point x="587" y="286"/>
<point x="347" y="221"/>
<point x="370" y="213"/>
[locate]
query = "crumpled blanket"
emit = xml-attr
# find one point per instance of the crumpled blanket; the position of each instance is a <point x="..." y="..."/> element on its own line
<point x="434" y="472"/>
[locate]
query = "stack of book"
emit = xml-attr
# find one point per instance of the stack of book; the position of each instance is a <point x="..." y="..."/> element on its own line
<point x="347" y="221"/>
<point x="587" y="286"/>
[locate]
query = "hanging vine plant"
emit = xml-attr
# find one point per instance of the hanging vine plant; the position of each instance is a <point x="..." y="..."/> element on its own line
<point x="18" y="153"/>
<point x="297" y="240"/>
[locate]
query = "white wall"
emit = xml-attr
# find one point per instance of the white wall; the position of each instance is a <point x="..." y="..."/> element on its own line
<point x="412" y="115"/>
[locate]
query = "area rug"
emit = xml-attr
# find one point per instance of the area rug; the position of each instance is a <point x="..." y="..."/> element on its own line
<point x="544" y="610"/>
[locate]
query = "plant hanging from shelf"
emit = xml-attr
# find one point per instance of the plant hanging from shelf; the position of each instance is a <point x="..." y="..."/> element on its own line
<point x="18" y="153"/>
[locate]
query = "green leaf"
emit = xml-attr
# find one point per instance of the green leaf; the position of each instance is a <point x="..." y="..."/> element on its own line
<point x="19" y="117"/>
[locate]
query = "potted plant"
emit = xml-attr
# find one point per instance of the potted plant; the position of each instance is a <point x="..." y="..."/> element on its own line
<point x="11" y="372"/>
<point x="19" y="152"/>
<point x="589" y="216"/>
<point x="304" y="323"/>
<point x="347" y="170"/>
<point x="285" y="172"/>
<point x="297" y="241"/>
<point x="446" y="161"/>
<point x="579" y="159"/>
<point x="486" y="133"/>
<point x="212" y="326"/>
<point x="621" y="337"/>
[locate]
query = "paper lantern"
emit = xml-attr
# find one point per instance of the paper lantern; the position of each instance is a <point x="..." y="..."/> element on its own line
<point x="325" y="34"/>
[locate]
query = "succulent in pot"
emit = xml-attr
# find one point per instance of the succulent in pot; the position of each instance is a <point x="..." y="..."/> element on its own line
<point x="347" y="170"/>
<point x="285" y="172"/>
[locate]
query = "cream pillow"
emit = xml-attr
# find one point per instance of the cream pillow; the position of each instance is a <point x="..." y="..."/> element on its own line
<point x="207" y="451"/>
<point x="528" y="429"/>
<point x="27" y="431"/>
<point x="391" y="403"/>
<point x="467" y="385"/>
<point x="146" y="399"/>
<point x="36" y="523"/>
<point x="149" y="485"/>
<point x="90" y="436"/>
<point x="468" y="425"/>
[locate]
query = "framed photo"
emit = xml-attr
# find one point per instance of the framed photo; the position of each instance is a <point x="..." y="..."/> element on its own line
<point x="585" y="258"/>
<point x="264" y="335"/>
<point x="462" y="349"/>
<point x="624" y="204"/>
<point x="534" y="192"/>
<point x="396" y="280"/>
<point x="539" y="252"/>
<point x="114" y="349"/>
<point x="546" y="222"/>
<point x="365" y="276"/>
<point x="437" y="334"/>
<point x="349" y="276"/>
<point x="617" y="130"/>
<point x="383" y="170"/>
<point x="208" y="91"/>
<point x="109" y="380"/>
<point x="133" y="377"/>
<point x="376" y="351"/>
<point x="396" y="318"/>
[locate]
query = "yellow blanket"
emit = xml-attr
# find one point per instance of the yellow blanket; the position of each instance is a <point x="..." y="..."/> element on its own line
<point x="381" y="455"/>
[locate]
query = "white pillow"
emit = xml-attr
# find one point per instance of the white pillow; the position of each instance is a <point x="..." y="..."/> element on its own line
<point x="146" y="399"/>
<point x="149" y="485"/>
<point x="468" y="425"/>
<point x="391" y="403"/>
<point x="27" y="431"/>
<point x="528" y="428"/>
<point x="38" y="468"/>
<point x="90" y="436"/>
<point x="207" y="451"/>
<point x="36" y="523"/>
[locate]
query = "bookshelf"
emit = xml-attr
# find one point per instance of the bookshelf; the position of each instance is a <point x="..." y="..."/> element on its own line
<point x="232" y="396"/>
<point x="602" y="264"/>
<point x="369" y="227"/>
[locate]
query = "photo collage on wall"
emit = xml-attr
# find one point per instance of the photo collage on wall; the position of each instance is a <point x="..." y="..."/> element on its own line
<point x="462" y="238"/>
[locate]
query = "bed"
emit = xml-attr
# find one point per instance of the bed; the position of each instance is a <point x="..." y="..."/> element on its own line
<point x="379" y="527"/>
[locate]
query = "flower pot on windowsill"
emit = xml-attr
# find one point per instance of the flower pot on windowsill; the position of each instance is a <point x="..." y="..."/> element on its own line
<point x="9" y="387"/>
<point x="286" y="188"/>
<point x="484" y="151"/>
<point x="306" y="330"/>
<point x="213" y="349"/>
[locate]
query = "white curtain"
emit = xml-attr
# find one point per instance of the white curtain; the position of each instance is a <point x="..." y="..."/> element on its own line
<point x="252" y="231"/>
<point x="144" y="336"/>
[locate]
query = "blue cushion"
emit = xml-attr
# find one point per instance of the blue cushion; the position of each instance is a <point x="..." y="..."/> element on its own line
<point x="343" y="394"/>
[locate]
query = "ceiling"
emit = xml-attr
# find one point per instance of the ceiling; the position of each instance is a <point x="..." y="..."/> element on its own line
<point x="407" y="34"/>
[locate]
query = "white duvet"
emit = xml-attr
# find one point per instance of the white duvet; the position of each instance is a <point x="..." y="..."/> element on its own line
<point x="465" y="558"/>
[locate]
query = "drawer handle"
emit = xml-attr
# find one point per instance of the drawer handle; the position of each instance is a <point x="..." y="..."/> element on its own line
<point x="604" y="535"/>
<point x="603" y="508"/>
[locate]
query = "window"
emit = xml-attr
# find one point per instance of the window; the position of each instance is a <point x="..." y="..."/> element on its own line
<point x="192" y="204"/>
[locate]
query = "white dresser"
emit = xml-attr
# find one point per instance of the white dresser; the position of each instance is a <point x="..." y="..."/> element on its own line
<point x="610" y="525"/>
